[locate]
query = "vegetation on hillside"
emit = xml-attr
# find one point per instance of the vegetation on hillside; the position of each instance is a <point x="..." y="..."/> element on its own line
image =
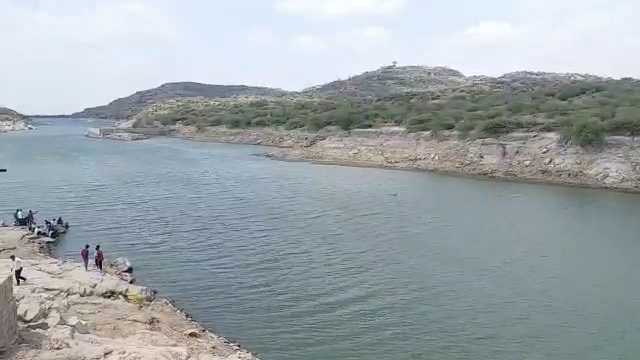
<point x="131" y="105"/>
<point x="585" y="110"/>
<point x="7" y="114"/>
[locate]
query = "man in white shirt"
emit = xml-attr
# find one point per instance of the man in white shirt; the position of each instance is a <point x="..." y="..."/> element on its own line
<point x="20" y="214"/>
<point x="16" y="268"/>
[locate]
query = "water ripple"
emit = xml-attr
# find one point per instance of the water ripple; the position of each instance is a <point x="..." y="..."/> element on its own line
<point x="303" y="262"/>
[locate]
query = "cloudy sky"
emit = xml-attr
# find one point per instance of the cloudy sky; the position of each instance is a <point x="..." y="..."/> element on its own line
<point x="59" y="56"/>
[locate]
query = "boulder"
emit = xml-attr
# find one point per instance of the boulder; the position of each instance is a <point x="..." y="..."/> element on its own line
<point x="54" y="319"/>
<point x="59" y="337"/>
<point x="210" y="357"/>
<point x="123" y="265"/>
<point x="78" y="325"/>
<point x="240" y="356"/>
<point x="195" y="333"/>
<point x="30" y="311"/>
<point x="41" y="325"/>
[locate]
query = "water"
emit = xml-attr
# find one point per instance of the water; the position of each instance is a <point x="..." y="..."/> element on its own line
<point x="301" y="261"/>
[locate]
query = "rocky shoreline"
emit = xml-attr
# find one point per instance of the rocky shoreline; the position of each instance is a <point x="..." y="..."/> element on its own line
<point x="65" y="312"/>
<point x="536" y="157"/>
<point x="15" y="125"/>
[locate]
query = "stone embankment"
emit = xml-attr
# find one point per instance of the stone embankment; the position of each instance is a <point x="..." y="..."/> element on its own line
<point x="66" y="312"/>
<point x="540" y="157"/>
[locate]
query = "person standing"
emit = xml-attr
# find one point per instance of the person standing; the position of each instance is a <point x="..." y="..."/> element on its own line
<point x="31" y="218"/>
<point x="85" y="256"/>
<point x="99" y="258"/>
<point x="16" y="267"/>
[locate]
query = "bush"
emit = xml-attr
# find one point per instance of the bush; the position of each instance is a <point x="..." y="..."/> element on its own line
<point x="588" y="133"/>
<point x="496" y="127"/>
<point x="260" y="122"/>
<point x="464" y="128"/>
<point x="232" y="122"/>
<point x="294" y="124"/>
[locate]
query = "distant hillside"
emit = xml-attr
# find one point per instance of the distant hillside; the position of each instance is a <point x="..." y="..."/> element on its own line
<point x="390" y="80"/>
<point x="7" y="114"/>
<point x="429" y="99"/>
<point x="131" y="105"/>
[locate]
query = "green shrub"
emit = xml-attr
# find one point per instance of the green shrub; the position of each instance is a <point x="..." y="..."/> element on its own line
<point x="464" y="128"/>
<point x="496" y="127"/>
<point x="588" y="133"/>
<point x="294" y="124"/>
<point x="260" y="122"/>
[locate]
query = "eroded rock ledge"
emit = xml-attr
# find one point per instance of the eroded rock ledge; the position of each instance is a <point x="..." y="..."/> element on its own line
<point x="539" y="157"/>
<point x="65" y="312"/>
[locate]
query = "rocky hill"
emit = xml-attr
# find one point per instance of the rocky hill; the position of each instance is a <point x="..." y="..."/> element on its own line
<point x="7" y="114"/>
<point x="131" y="105"/>
<point x="390" y="80"/>
<point x="11" y="120"/>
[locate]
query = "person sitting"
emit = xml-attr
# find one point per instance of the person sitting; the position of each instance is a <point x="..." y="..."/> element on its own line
<point x="20" y="214"/>
<point x="60" y="222"/>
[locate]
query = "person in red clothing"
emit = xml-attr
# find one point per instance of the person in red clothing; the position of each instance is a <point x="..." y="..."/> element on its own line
<point x="85" y="256"/>
<point x="99" y="258"/>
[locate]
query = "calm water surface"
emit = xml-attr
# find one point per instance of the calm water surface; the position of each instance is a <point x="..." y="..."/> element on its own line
<point x="300" y="261"/>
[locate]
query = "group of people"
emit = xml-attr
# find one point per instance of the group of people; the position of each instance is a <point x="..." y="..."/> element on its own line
<point x="24" y="220"/>
<point x="17" y="264"/>
<point x="29" y="220"/>
<point x="98" y="257"/>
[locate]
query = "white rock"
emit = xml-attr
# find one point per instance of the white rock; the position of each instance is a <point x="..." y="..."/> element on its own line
<point x="54" y="319"/>
<point x="210" y="357"/>
<point x="30" y="311"/>
<point x="78" y="325"/>
<point x="59" y="337"/>
<point x="123" y="264"/>
<point x="240" y="356"/>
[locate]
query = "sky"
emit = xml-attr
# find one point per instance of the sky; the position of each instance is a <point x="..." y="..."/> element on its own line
<point x="60" y="56"/>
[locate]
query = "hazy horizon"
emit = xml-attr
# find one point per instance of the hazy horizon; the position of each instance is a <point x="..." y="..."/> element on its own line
<point x="64" y="56"/>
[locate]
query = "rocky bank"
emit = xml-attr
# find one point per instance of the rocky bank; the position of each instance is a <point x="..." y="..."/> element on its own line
<point x="11" y="120"/>
<point x="540" y="157"/>
<point x="65" y="312"/>
<point x="103" y="133"/>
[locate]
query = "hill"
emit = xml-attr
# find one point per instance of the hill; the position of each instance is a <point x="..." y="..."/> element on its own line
<point x="11" y="120"/>
<point x="7" y="114"/>
<point x="422" y="99"/>
<point x="390" y="80"/>
<point x="129" y="106"/>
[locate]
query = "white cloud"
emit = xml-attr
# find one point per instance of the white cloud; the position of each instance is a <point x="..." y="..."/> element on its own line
<point x="365" y="39"/>
<point x="361" y="40"/>
<point x="309" y="44"/>
<point x="592" y="36"/>
<point x="489" y="33"/>
<point x="339" y="8"/>
<point x="81" y="49"/>
<point x="261" y="36"/>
